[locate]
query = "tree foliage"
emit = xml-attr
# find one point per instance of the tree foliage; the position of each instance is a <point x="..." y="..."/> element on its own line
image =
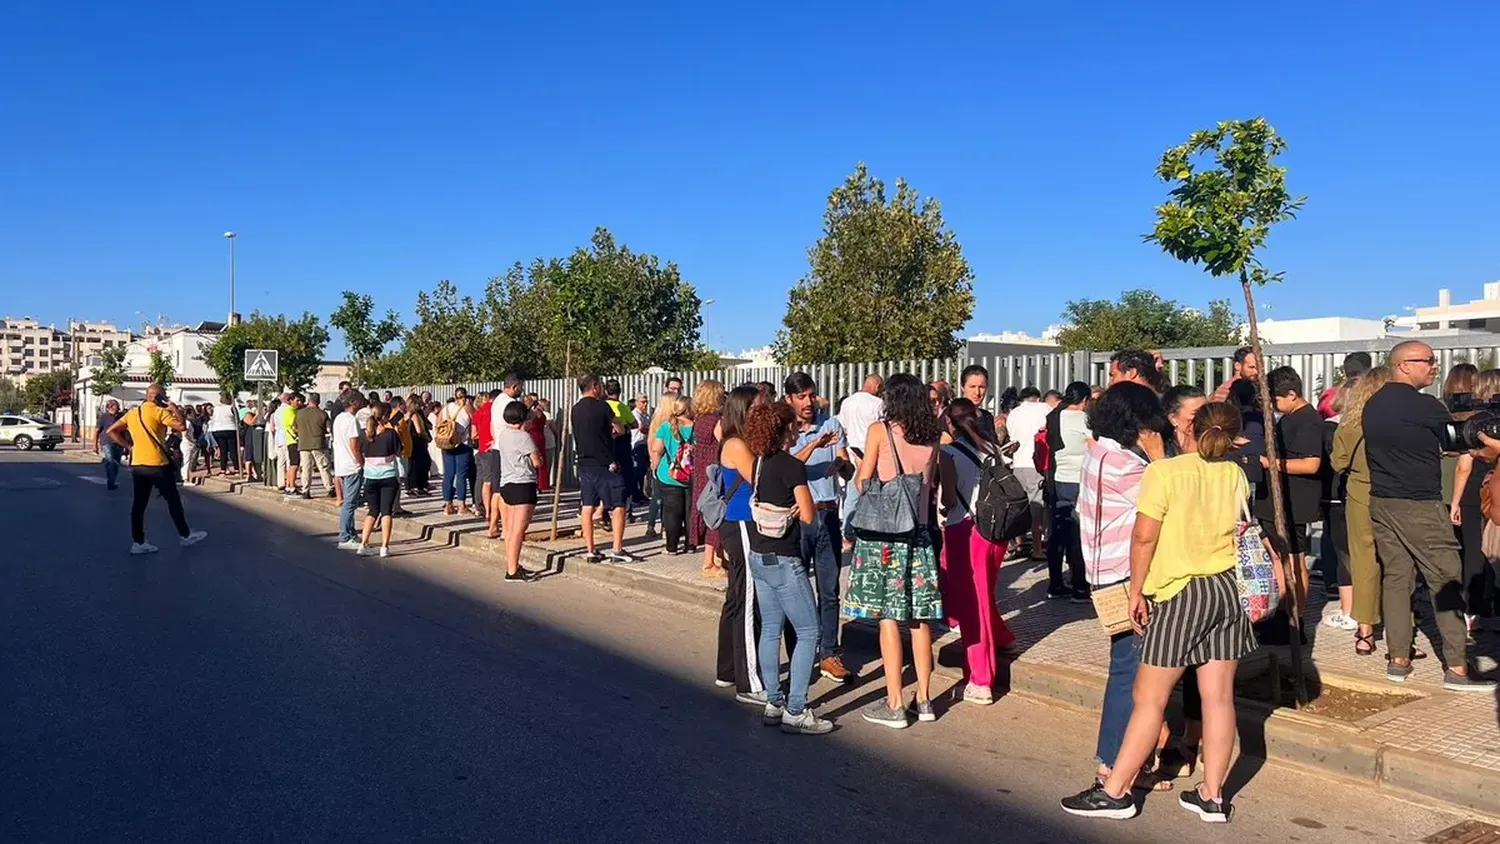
<point x="364" y="336"/>
<point x="1141" y="319"/>
<point x="110" y="373"/>
<point x="887" y="280"/>
<point x="299" y="342"/>
<point x="12" y="398"/>
<point x="46" y="392"/>
<point x="622" y="311"/>
<point x="159" y="369"/>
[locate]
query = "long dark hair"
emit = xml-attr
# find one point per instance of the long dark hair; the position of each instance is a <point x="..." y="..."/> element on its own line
<point x="379" y="413"/>
<point x="906" y="405"/>
<point x="963" y="417"/>
<point x="737" y="410"/>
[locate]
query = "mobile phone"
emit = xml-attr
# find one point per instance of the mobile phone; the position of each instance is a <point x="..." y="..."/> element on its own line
<point x="1010" y="448"/>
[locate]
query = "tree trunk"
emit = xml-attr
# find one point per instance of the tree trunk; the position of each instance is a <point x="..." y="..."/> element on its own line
<point x="1278" y="502"/>
<point x="562" y="442"/>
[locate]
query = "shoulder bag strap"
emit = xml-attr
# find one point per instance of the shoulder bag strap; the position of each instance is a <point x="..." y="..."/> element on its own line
<point x="1099" y="519"/>
<point x="916" y="512"/>
<point x="140" y="411"/>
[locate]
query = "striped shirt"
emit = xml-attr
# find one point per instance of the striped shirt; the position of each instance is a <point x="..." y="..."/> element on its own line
<point x="1107" y="491"/>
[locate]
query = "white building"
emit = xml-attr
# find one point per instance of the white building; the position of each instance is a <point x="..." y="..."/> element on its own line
<point x="193" y="383"/>
<point x="1317" y="329"/>
<point x="1475" y="315"/>
<point x="29" y="348"/>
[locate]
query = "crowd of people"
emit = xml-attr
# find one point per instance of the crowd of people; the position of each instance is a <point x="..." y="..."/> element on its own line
<point x="1138" y="493"/>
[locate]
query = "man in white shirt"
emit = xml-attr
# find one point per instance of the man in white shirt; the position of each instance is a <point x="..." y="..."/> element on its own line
<point x="1023" y="423"/>
<point x="859" y="411"/>
<point x="511" y="391"/>
<point x="348" y="465"/>
<point x="640" y="452"/>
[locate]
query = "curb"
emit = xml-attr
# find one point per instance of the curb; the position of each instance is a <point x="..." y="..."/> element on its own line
<point x="1321" y="745"/>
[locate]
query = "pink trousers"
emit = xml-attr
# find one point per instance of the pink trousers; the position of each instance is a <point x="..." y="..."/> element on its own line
<point x="967" y="569"/>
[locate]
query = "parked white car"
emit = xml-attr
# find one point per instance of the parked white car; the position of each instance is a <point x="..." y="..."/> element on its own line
<point x="24" y="432"/>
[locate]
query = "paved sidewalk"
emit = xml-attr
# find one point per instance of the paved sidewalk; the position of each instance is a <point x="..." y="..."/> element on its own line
<point x="1444" y="745"/>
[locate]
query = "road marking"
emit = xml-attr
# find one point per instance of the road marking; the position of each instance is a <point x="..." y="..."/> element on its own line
<point x="92" y="479"/>
<point x="43" y="480"/>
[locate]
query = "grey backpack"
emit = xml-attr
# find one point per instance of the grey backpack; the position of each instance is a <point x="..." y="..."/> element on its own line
<point x="712" y="501"/>
<point x="888" y="507"/>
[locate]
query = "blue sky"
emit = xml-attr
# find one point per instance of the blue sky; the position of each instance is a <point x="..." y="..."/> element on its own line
<point x="380" y="146"/>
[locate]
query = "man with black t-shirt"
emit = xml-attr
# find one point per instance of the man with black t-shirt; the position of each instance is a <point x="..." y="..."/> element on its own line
<point x="1299" y="446"/>
<point x="600" y="479"/>
<point x="1404" y="434"/>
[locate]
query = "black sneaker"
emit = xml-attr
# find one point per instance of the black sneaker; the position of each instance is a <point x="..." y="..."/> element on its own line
<point x="623" y="557"/>
<point x="593" y="557"/>
<point x="1081" y="598"/>
<point x="1208" y="811"/>
<point x="1096" y="803"/>
<point x="1059" y="594"/>
<point x="521" y="575"/>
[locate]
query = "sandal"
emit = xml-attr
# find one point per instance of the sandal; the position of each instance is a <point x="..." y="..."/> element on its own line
<point x="1364" y="645"/>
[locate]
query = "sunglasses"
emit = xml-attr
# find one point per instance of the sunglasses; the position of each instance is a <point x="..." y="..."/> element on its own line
<point x="1430" y="361"/>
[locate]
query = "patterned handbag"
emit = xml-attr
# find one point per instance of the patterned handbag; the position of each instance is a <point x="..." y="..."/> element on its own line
<point x="1255" y="570"/>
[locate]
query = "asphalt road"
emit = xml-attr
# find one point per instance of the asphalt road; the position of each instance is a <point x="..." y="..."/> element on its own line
<point x="264" y="686"/>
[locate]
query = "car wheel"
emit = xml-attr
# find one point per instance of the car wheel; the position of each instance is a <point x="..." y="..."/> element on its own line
<point x="23" y="442"/>
<point x="48" y="446"/>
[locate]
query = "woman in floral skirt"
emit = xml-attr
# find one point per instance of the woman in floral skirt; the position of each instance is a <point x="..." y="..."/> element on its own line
<point x="894" y="577"/>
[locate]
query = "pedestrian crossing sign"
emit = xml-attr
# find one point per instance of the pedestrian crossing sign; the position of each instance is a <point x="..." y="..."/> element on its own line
<point x="260" y="364"/>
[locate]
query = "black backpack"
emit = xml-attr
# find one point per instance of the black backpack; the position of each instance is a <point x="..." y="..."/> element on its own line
<point x="1001" y="508"/>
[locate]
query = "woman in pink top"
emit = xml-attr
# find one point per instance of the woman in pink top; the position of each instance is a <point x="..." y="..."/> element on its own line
<point x="894" y="577"/>
<point x="1126" y="423"/>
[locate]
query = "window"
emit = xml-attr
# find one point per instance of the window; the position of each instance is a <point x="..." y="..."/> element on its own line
<point x="27" y="352"/>
<point x="1426" y="326"/>
<point x="44" y="341"/>
<point x="9" y="420"/>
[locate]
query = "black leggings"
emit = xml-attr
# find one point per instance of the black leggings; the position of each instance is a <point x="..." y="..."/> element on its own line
<point x="145" y="480"/>
<point x="228" y="454"/>
<point x="674" y="516"/>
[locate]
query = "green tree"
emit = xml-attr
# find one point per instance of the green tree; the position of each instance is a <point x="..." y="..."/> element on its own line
<point x="448" y="341"/>
<point x="110" y="373"/>
<point x="12" y="398"/>
<point x="886" y="281"/>
<point x="704" y="359"/>
<point x="47" y="392"/>
<point x="365" y="336"/>
<point x="159" y="369"/>
<point x="1141" y="319"/>
<point x="299" y="343"/>
<point x="1228" y="192"/>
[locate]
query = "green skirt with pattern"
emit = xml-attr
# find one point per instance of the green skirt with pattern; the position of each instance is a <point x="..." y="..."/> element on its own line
<point x="894" y="577"/>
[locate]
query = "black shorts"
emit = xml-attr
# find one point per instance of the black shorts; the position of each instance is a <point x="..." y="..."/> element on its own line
<point x="518" y="494"/>
<point x="1298" y="538"/>
<point x="380" y="496"/>
<point x="488" y="467"/>
<point x="293" y="458"/>
<point x="597" y="486"/>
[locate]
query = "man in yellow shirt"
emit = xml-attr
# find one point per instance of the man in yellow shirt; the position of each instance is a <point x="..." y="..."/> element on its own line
<point x="144" y="430"/>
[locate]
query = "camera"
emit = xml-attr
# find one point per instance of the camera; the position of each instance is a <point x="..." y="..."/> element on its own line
<point x="1470" y="419"/>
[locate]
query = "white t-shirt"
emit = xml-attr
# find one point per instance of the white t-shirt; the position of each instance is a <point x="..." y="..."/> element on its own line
<point x="345" y="428"/>
<point x="638" y="433"/>
<point x="1073" y="426"/>
<point x="1024" y="420"/>
<point x="224" y="418"/>
<point x="497" y="418"/>
<point x="516" y="448"/>
<point x="966" y="477"/>
<point x="856" y="415"/>
<point x="273" y="425"/>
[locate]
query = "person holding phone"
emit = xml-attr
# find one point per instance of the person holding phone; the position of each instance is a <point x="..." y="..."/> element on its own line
<point x="147" y="427"/>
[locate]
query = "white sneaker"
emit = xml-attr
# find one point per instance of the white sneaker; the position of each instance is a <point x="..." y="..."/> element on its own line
<point x="194" y="538"/>
<point x="384" y="552"/>
<point x="975" y="693"/>
<point x="1338" y="621"/>
<point x="807" y="723"/>
<point x="363" y="550"/>
<point x="351" y="545"/>
<point x="143" y="548"/>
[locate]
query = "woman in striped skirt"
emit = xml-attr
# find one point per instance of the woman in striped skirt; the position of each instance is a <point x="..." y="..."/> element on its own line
<point x="1184" y="601"/>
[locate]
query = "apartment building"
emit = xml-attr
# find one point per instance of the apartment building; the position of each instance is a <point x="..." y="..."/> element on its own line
<point x="27" y="347"/>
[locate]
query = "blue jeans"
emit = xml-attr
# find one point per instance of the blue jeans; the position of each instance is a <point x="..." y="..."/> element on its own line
<point x="1119" y="702"/>
<point x="783" y="595"/>
<point x="110" y="454"/>
<point x="458" y="464"/>
<point x="822" y="551"/>
<point x="353" y="485"/>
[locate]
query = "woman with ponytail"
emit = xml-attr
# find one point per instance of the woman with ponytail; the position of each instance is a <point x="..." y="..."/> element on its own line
<point x="1184" y="601"/>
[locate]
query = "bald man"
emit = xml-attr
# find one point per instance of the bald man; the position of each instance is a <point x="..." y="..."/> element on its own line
<point x="147" y="427"/>
<point x="1405" y="432"/>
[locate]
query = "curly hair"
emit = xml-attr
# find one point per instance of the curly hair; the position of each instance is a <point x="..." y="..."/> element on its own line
<point x="766" y="427"/>
<point x="1364" y="387"/>
<point x="708" y="398"/>
<point x="906" y="405"/>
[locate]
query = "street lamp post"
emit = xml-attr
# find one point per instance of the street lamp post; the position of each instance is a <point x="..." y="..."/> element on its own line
<point x="708" y="334"/>
<point x="230" y="236"/>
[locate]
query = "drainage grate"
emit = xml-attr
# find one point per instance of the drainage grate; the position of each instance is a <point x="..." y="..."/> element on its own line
<point x="1468" y="832"/>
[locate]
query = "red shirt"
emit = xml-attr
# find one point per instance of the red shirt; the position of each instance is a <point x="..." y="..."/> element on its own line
<point x="483" y="438"/>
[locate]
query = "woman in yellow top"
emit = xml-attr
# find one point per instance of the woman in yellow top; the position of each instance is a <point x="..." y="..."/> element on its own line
<point x="1184" y="599"/>
<point x="1348" y="458"/>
